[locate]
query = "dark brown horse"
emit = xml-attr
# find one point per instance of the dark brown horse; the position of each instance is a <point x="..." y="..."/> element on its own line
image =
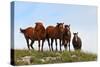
<point x="54" y="33"/>
<point x="77" y="43"/>
<point x="66" y="37"/>
<point x="35" y="34"/>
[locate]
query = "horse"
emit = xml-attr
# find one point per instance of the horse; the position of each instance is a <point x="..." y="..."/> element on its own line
<point x="66" y="36"/>
<point x="40" y="33"/>
<point x="28" y="34"/>
<point x="54" y="33"/>
<point x="76" y="41"/>
<point x="35" y="34"/>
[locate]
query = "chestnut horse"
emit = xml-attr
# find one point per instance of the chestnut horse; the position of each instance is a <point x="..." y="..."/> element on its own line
<point x="66" y="37"/>
<point x="40" y="33"/>
<point x="54" y="33"/>
<point x="77" y="43"/>
<point x="28" y="34"/>
<point x="35" y="34"/>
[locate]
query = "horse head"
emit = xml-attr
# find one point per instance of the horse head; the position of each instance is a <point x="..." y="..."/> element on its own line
<point x="39" y="25"/>
<point x="60" y="26"/>
<point x="67" y="27"/>
<point x="75" y="35"/>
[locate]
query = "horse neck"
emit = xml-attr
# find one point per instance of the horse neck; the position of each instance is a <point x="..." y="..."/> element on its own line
<point x="59" y="33"/>
<point x="66" y="32"/>
<point x="57" y="29"/>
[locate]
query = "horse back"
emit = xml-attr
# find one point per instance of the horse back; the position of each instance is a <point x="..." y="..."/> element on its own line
<point x="39" y="33"/>
<point x="28" y="32"/>
<point x="50" y="32"/>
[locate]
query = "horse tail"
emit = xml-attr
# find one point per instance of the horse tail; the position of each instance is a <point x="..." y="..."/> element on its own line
<point x="22" y="30"/>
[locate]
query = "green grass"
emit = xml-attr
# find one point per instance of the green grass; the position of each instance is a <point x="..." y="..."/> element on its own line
<point x="64" y="56"/>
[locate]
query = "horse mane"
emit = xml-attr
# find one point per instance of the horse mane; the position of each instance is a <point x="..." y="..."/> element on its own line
<point x="57" y="25"/>
<point x="57" y="28"/>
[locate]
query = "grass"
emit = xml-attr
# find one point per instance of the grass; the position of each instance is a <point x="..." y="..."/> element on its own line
<point x="59" y="57"/>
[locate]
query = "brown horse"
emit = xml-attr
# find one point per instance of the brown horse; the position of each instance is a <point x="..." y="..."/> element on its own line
<point x="28" y="34"/>
<point x="40" y="33"/>
<point x="35" y="34"/>
<point x="77" y="43"/>
<point x="67" y="37"/>
<point x="54" y="33"/>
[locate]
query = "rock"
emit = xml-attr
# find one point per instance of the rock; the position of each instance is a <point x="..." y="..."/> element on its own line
<point x="47" y="58"/>
<point x="73" y="56"/>
<point x="27" y="59"/>
<point x="58" y="54"/>
<point x="52" y="58"/>
<point x="42" y="60"/>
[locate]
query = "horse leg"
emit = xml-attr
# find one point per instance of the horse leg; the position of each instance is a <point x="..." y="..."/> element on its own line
<point x="32" y="44"/>
<point x="75" y="47"/>
<point x="65" y="46"/>
<point x="39" y="45"/>
<point x="80" y="46"/>
<point x="60" y="45"/>
<point x="69" y="45"/>
<point x="63" y="41"/>
<point x="56" y="44"/>
<point x="27" y="40"/>
<point x="52" y="44"/>
<point x="42" y="44"/>
<point x="49" y="44"/>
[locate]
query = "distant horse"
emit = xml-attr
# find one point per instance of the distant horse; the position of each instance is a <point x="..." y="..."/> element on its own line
<point x="54" y="33"/>
<point x="66" y="37"/>
<point x="77" y="43"/>
<point x="35" y="34"/>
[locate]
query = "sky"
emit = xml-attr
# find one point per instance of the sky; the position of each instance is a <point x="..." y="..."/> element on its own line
<point x="82" y="19"/>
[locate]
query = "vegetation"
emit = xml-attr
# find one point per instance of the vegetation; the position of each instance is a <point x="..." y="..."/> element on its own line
<point x="52" y="57"/>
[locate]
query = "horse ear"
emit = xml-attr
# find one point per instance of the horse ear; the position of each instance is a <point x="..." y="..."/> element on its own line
<point x="20" y="29"/>
<point x="77" y="32"/>
<point x="57" y="23"/>
<point x="69" y="25"/>
<point x="36" y="22"/>
<point x="65" y="26"/>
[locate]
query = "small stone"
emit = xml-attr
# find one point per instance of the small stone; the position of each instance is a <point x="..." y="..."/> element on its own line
<point x="42" y="60"/>
<point x="73" y="56"/>
<point x="27" y="59"/>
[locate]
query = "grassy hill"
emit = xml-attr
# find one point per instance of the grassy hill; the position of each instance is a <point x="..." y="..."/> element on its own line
<point x="46" y="57"/>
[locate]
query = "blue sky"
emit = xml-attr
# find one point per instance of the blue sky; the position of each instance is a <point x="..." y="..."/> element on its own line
<point x="82" y="18"/>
